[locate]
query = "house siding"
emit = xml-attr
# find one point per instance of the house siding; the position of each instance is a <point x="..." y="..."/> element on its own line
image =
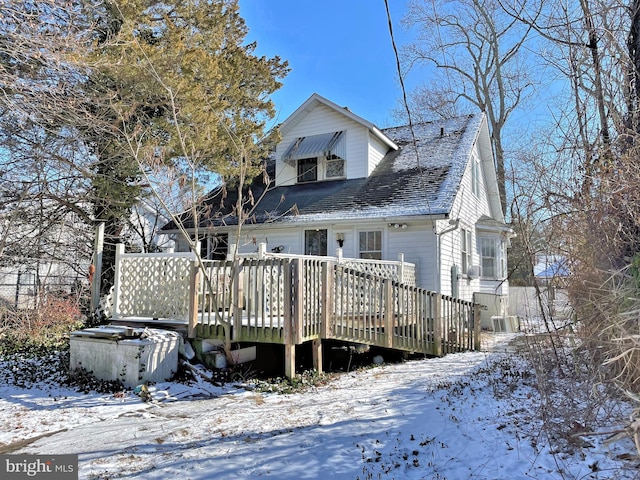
<point x="468" y="207"/>
<point x="290" y="239"/>
<point x="376" y="151"/>
<point x="449" y="248"/>
<point x="417" y="243"/>
<point x="320" y="120"/>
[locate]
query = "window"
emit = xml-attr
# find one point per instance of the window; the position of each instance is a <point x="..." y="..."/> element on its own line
<point x="320" y="168"/>
<point x="335" y="167"/>
<point x="475" y="176"/>
<point x="371" y="245"/>
<point x="214" y="247"/>
<point x="491" y="255"/>
<point x="307" y="170"/>
<point x="218" y="247"/>
<point x="466" y="250"/>
<point x="318" y="157"/>
<point x="315" y="242"/>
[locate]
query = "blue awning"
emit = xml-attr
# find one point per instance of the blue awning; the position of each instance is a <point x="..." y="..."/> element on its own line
<point x="322" y="145"/>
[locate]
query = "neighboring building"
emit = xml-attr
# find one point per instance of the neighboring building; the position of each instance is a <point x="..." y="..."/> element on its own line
<point x="43" y="259"/>
<point x="551" y="268"/>
<point x="428" y="192"/>
<point x="56" y="258"/>
<point x="143" y="231"/>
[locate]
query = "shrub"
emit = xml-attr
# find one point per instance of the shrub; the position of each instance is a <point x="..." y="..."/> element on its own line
<point x="39" y="330"/>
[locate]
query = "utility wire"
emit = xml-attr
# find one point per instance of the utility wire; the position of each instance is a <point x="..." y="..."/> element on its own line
<point x="406" y="106"/>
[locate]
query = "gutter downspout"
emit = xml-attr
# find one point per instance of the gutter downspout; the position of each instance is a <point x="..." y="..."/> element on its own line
<point x="454" y="225"/>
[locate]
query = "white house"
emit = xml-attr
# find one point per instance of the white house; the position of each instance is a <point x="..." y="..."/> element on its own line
<point x="336" y="180"/>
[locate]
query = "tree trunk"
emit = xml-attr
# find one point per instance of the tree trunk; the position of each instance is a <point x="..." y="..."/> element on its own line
<point x="633" y="44"/>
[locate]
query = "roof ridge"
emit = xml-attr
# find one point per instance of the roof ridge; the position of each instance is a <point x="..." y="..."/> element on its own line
<point x="468" y="116"/>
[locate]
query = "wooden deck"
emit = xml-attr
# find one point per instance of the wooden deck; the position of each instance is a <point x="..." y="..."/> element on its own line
<point x="290" y="301"/>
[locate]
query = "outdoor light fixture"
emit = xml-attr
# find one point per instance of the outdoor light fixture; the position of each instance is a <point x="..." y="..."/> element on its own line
<point x="398" y="225"/>
<point x="340" y="239"/>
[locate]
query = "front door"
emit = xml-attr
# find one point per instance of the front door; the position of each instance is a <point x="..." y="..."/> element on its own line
<point x="315" y="242"/>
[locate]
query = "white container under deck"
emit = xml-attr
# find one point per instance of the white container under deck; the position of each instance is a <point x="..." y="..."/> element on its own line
<point x="129" y="355"/>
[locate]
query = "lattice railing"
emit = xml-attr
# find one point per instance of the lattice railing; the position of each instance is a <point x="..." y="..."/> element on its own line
<point x="398" y="271"/>
<point x="152" y="285"/>
<point x="293" y="299"/>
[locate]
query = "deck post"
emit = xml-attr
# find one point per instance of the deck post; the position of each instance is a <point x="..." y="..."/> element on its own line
<point x="387" y="287"/>
<point x="194" y="285"/>
<point x="117" y="281"/>
<point x="289" y="360"/>
<point x="236" y="300"/>
<point x="327" y="299"/>
<point x="437" y="323"/>
<point x="298" y="300"/>
<point x="476" y="326"/>
<point x="293" y="314"/>
<point x="317" y="354"/>
<point x="96" y="282"/>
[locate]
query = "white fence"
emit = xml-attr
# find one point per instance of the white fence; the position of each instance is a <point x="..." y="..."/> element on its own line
<point x="153" y="285"/>
<point x="524" y="302"/>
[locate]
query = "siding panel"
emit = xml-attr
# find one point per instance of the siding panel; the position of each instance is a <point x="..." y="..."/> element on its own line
<point x="323" y="120"/>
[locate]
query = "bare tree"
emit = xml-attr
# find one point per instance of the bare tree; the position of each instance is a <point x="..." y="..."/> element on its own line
<point x="477" y="50"/>
<point x="71" y="76"/>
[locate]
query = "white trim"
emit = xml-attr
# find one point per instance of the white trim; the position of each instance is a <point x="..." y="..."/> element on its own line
<point x="315" y="100"/>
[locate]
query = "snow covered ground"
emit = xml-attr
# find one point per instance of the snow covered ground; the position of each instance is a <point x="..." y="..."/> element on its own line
<point x="472" y="415"/>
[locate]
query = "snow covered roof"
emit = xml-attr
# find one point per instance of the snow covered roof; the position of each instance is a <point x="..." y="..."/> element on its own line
<point x="421" y="178"/>
<point x="551" y="266"/>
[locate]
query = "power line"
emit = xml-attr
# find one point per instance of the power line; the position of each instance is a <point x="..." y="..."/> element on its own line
<point x="406" y="106"/>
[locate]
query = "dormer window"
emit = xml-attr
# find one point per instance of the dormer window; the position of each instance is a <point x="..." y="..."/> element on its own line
<point x="335" y="167"/>
<point x="318" y="157"/>
<point x="307" y="170"/>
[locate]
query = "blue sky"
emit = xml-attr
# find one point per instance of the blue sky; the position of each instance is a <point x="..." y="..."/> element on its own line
<point x="340" y="49"/>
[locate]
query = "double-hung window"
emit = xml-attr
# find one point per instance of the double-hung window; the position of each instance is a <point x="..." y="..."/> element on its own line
<point x="465" y="250"/>
<point x="491" y="257"/>
<point x="370" y="245"/>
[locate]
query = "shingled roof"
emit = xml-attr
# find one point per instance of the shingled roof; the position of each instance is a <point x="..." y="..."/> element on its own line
<point x="418" y="179"/>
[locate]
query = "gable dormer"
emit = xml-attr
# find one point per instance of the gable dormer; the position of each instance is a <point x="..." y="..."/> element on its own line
<point x="321" y="142"/>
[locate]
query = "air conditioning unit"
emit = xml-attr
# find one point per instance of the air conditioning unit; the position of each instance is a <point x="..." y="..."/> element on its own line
<point x="474" y="271"/>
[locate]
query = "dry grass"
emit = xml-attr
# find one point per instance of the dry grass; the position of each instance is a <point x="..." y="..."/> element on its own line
<point x="588" y="377"/>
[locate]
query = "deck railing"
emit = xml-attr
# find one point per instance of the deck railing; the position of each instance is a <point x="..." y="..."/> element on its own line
<point x="398" y="270"/>
<point x="154" y="285"/>
<point x="291" y="300"/>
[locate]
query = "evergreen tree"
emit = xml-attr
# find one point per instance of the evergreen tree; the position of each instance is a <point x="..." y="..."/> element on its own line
<point x="173" y="84"/>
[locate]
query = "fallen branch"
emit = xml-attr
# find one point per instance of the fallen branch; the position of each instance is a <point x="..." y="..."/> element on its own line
<point x="632" y="430"/>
